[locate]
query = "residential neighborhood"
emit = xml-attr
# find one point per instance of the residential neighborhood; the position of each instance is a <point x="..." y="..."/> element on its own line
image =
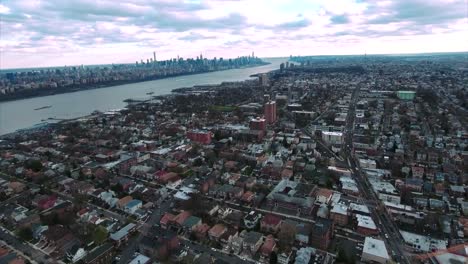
<point x="358" y="160"/>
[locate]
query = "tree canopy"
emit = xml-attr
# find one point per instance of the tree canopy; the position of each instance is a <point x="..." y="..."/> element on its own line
<point x="100" y="235"/>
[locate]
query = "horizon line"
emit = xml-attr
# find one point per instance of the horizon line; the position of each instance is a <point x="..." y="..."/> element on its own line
<point x="279" y="57"/>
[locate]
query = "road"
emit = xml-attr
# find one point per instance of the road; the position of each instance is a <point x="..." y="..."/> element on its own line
<point x="24" y="247"/>
<point x="63" y="196"/>
<point x="353" y="235"/>
<point x="132" y="245"/>
<point x="229" y="258"/>
<point x="92" y="206"/>
<point x="392" y="236"/>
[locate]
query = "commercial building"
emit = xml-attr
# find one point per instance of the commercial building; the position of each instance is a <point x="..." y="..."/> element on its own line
<point x="304" y="114"/>
<point x="406" y="95"/>
<point x="140" y="259"/>
<point x="332" y="137"/>
<point x="270" y="112"/>
<point x="366" y="226"/>
<point x="374" y="250"/>
<point x="291" y="195"/>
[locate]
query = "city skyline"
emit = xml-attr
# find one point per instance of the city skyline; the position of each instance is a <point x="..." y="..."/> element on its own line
<point x="52" y="33"/>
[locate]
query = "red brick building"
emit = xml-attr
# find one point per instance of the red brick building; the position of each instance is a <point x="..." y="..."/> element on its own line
<point x="200" y="136"/>
<point x="258" y="124"/>
<point x="322" y="233"/>
<point x="270" y="112"/>
<point x="270" y="223"/>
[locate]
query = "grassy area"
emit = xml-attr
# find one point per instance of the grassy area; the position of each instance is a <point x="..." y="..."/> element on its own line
<point x="223" y="108"/>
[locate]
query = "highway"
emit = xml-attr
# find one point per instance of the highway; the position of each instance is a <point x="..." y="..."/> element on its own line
<point x="391" y="236"/>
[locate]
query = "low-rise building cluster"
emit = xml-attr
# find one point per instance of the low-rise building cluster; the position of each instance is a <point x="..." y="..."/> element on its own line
<point x="318" y="163"/>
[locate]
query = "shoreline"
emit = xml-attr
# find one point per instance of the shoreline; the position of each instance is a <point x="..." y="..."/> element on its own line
<point x="47" y="125"/>
<point x="42" y="92"/>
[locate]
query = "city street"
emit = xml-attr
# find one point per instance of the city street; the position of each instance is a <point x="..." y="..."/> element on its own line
<point x="132" y="245"/>
<point x="24" y="247"/>
<point x="394" y="240"/>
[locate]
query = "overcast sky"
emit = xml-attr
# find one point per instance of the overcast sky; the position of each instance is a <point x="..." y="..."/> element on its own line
<point x="37" y="33"/>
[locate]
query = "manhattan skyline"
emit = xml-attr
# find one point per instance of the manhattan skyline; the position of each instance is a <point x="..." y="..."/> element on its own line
<point x="56" y="33"/>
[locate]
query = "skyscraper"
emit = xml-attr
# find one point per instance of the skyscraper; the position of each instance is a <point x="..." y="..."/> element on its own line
<point x="263" y="78"/>
<point x="270" y="112"/>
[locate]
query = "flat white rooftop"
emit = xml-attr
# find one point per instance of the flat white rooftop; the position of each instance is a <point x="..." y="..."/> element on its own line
<point x="375" y="247"/>
<point x="423" y="243"/>
<point x="332" y="133"/>
<point x="366" y="222"/>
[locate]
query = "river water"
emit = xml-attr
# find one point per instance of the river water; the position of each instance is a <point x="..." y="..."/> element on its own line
<point x="20" y="114"/>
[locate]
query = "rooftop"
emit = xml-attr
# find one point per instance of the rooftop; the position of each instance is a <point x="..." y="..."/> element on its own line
<point x="122" y="232"/>
<point x="375" y="247"/>
<point x="140" y="259"/>
<point x="366" y="222"/>
<point x="292" y="192"/>
<point x="423" y="243"/>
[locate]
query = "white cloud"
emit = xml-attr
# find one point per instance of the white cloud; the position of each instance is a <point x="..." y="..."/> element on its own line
<point x="4" y="9"/>
<point x="53" y="31"/>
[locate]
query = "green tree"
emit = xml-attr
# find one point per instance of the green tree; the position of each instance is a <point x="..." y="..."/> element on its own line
<point x="118" y="188"/>
<point x="341" y="256"/>
<point x="35" y="165"/>
<point x="79" y="200"/>
<point x="197" y="162"/>
<point x="273" y="258"/>
<point x="100" y="235"/>
<point x="285" y="142"/>
<point x="25" y="233"/>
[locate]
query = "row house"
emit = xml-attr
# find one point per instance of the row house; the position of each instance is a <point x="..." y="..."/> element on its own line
<point x="270" y="223"/>
<point x="217" y="231"/>
<point x="252" y="242"/>
<point x="159" y="244"/>
<point x="268" y="247"/>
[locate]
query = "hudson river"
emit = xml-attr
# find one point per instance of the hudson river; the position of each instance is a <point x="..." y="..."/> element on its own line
<point x="19" y="114"/>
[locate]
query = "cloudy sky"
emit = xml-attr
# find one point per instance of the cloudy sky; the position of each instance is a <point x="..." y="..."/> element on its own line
<point x="72" y="32"/>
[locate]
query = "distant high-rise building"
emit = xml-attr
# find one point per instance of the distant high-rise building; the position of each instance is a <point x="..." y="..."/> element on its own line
<point x="282" y="67"/>
<point x="154" y="56"/>
<point x="270" y="112"/>
<point x="263" y="78"/>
